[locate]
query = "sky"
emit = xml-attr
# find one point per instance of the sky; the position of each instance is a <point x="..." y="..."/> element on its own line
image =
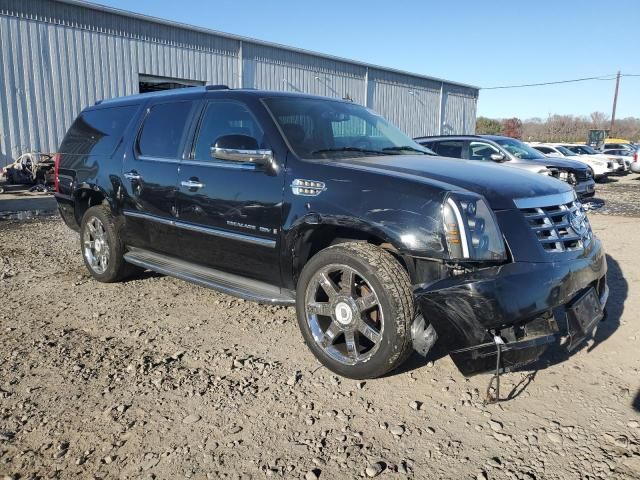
<point x="485" y="43"/>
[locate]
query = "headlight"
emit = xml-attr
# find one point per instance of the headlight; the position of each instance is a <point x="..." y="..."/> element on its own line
<point x="471" y="229"/>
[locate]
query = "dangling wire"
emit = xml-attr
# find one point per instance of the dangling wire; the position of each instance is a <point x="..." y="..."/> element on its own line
<point x="489" y="397"/>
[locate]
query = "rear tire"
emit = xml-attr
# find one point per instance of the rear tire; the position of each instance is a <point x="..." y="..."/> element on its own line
<point x="102" y="247"/>
<point x="355" y="307"/>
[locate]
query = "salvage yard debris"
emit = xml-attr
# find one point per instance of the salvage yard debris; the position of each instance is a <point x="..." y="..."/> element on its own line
<point x="31" y="168"/>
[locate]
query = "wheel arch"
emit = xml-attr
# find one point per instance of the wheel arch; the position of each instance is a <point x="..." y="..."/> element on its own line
<point x="87" y="196"/>
<point x="306" y="240"/>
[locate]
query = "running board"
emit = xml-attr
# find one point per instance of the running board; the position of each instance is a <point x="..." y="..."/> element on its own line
<point x="228" y="283"/>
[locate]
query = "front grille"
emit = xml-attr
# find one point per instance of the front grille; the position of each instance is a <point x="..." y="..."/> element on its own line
<point x="560" y="228"/>
<point x="572" y="178"/>
<point x="583" y="176"/>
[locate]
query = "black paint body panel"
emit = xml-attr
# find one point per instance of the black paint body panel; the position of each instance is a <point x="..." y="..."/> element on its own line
<point x="394" y="200"/>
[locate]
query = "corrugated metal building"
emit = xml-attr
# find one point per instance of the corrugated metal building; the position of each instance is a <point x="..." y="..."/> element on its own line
<point x="58" y="56"/>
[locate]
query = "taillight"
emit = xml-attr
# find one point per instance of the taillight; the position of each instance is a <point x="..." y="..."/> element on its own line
<point x="635" y="157"/>
<point x="56" y="169"/>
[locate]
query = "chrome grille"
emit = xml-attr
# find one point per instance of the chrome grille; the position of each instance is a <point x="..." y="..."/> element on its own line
<point x="560" y="228"/>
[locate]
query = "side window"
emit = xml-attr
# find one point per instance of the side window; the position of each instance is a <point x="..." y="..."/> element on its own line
<point x="544" y="150"/>
<point x="225" y="118"/>
<point x="481" y="151"/>
<point x="97" y="132"/>
<point x="449" y="148"/>
<point x="164" y="129"/>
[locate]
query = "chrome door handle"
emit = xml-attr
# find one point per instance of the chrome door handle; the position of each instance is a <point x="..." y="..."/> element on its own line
<point x="192" y="184"/>
<point x="132" y="175"/>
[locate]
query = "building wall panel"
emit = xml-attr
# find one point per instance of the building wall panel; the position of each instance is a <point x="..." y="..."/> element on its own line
<point x="50" y="72"/>
<point x="459" y="113"/>
<point x="413" y="104"/>
<point x="56" y="58"/>
<point x="277" y="69"/>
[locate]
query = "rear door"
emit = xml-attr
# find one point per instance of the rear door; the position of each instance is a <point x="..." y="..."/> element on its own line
<point x="149" y="175"/>
<point x="229" y="213"/>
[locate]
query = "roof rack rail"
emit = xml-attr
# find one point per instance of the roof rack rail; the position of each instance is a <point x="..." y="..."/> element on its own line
<point x="217" y="87"/>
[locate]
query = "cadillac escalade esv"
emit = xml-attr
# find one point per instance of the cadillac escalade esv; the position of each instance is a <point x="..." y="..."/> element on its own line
<point x="382" y="246"/>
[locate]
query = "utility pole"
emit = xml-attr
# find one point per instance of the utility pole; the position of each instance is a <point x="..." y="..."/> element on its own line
<point x="615" y="103"/>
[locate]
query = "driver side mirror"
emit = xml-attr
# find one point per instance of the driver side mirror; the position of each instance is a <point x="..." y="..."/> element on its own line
<point x="241" y="149"/>
<point x="498" y="157"/>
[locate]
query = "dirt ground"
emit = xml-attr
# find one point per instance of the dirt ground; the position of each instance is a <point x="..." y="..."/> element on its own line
<point x="157" y="378"/>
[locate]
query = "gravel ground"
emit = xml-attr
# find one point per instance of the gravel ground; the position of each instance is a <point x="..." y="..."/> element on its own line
<point x="618" y="195"/>
<point x="157" y="378"/>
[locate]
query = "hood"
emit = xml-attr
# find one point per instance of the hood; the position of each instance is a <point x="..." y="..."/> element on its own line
<point x="498" y="184"/>
<point x="599" y="157"/>
<point x="561" y="163"/>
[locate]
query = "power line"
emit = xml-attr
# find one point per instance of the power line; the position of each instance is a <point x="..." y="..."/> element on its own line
<point x="574" y="80"/>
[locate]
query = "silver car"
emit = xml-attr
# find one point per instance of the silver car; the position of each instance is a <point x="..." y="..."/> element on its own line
<point x="514" y="153"/>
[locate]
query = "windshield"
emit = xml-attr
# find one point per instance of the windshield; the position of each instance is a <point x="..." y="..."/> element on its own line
<point x="565" y="151"/>
<point x="519" y="149"/>
<point x="582" y="149"/>
<point x="317" y="128"/>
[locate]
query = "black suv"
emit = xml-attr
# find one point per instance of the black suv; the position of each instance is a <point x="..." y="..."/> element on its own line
<point x="514" y="153"/>
<point x="320" y="203"/>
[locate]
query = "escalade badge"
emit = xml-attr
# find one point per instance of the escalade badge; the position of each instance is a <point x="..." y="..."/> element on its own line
<point x="307" y="188"/>
<point x="576" y="220"/>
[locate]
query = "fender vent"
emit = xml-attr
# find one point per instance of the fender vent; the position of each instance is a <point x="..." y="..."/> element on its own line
<point x="307" y="188"/>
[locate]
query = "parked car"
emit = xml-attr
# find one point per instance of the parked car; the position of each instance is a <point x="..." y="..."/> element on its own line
<point x="619" y="165"/>
<point x="623" y="156"/>
<point x="319" y="203"/>
<point x="617" y="144"/>
<point x="635" y="164"/>
<point x="600" y="166"/>
<point x="514" y="153"/>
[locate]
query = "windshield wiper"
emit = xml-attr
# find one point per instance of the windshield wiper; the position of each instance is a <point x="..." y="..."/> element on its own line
<point x="349" y="149"/>
<point x="406" y="147"/>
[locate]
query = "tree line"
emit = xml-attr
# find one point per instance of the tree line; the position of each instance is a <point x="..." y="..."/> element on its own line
<point x="558" y="128"/>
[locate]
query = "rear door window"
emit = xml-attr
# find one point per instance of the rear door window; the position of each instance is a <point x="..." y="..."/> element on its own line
<point x="163" y="131"/>
<point x="98" y="131"/>
<point x="544" y="150"/>
<point x="449" y="148"/>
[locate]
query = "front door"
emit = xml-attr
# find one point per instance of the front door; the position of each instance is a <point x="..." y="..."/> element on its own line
<point x="230" y="212"/>
<point x="149" y="176"/>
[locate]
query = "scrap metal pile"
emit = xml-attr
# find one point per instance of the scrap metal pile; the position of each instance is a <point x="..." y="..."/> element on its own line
<point x="31" y="168"/>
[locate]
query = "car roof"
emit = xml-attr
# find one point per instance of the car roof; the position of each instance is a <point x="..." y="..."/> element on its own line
<point x="447" y="137"/>
<point x="199" y="91"/>
<point x="464" y="137"/>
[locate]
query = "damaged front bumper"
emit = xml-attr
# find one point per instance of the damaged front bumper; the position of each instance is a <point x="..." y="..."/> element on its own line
<point x="532" y="307"/>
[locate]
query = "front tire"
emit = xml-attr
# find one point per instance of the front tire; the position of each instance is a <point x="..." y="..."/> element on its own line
<point x="102" y="247"/>
<point x="355" y="308"/>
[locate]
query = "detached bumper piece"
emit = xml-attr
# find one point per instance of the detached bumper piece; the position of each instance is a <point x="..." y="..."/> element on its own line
<point x="566" y="327"/>
<point x="530" y="307"/>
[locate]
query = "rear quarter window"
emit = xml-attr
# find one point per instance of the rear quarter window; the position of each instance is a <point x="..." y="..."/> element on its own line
<point x="98" y="131"/>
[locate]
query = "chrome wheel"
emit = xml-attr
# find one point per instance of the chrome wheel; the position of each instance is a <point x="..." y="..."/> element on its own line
<point x="344" y="314"/>
<point x="96" y="246"/>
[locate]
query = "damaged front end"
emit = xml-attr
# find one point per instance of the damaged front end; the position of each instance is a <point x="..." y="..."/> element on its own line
<point x="520" y="309"/>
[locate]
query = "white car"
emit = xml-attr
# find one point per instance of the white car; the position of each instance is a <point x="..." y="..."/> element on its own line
<point x="600" y="168"/>
<point x="620" y="163"/>
<point x="635" y="165"/>
<point x="622" y="156"/>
